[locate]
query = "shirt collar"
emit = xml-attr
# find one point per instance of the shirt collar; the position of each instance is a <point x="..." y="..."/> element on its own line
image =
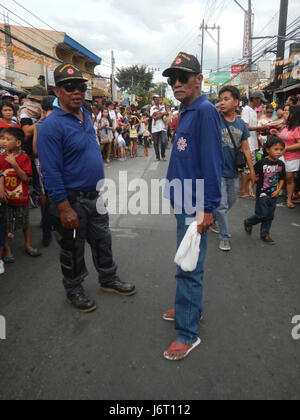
<point x="194" y="105"/>
<point x="56" y="104"/>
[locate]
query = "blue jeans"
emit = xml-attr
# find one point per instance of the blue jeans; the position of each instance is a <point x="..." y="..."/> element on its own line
<point x="188" y="303"/>
<point x="264" y="214"/>
<point x="230" y="187"/>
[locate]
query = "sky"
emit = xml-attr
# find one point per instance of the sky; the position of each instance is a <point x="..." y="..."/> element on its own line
<point x="153" y="32"/>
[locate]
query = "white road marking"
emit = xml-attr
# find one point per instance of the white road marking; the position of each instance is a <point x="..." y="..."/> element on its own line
<point x="154" y="166"/>
<point x="295" y="225"/>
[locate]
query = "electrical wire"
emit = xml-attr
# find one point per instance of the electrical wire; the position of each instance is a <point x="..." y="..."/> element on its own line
<point x="25" y="33"/>
<point x="46" y="37"/>
<point x="259" y="53"/>
<point x="223" y="7"/>
<point x="36" y="50"/>
<point x="182" y="42"/>
<point x="243" y="61"/>
<point x="212" y="10"/>
<point x="45" y="23"/>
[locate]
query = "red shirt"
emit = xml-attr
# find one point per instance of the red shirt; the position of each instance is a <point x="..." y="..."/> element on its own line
<point x="12" y="124"/>
<point x="17" y="189"/>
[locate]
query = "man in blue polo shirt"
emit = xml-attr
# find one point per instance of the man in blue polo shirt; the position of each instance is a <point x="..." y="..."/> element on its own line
<point x="197" y="155"/>
<point x="72" y="168"/>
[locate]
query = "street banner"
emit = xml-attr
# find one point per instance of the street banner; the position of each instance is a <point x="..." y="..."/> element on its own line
<point x="220" y="78"/>
<point x="245" y="79"/>
<point x="246" y="37"/>
<point x="239" y="69"/>
<point x="264" y="69"/>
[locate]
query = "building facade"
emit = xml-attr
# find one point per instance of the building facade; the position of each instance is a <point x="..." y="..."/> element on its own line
<point x="28" y="53"/>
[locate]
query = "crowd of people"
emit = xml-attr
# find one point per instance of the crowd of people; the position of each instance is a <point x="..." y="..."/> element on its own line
<point x="47" y="141"/>
<point x="119" y="130"/>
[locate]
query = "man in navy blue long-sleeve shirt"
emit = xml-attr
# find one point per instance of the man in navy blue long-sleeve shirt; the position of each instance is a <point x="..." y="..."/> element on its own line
<point x="72" y="167"/>
<point x="197" y="155"/>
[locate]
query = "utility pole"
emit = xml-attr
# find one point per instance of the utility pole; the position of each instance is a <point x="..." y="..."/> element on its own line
<point x="284" y="5"/>
<point x="250" y="34"/>
<point x="113" y="86"/>
<point x="206" y="28"/>
<point x="219" y="48"/>
<point x="8" y="40"/>
<point x="202" y="45"/>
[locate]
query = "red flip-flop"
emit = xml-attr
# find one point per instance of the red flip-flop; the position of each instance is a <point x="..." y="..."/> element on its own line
<point x="169" y="316"/>
<point x="186" y="349"/>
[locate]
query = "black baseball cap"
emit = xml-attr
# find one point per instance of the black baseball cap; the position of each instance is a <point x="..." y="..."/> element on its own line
<point x="67" y="72"/>
<point x="184" y="62"/>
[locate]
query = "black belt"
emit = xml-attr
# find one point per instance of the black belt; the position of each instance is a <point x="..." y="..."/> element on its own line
<point x="90" y="195"/>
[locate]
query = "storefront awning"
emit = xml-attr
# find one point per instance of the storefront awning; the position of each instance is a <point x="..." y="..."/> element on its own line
<point x="100" y="92"/>
<point x="8" y="87"/>
<point x="288" y="88"/>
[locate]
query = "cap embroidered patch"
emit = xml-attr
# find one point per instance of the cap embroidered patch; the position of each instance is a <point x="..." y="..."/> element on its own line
<point x="184" y="62"/>
<point x="70" y="71"/>
<point x="181" y="144"/>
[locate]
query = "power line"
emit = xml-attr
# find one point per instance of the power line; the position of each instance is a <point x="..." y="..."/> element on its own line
<point x="211" y="10"/>
<point x="30" y="46"/>
<point x="37" y="17"/>
<point x="34" y="15"/>
<point x="222" y="9"/>
<point x="24" y="33"/>
<point x="259" y="53"/>
<point x="104" y="65"/>
<point x="45" y="36"/>
<point x="181" y="43"/>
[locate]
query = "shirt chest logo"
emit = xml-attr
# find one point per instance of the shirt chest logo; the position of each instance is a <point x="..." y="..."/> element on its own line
<point x="182" y="144"/>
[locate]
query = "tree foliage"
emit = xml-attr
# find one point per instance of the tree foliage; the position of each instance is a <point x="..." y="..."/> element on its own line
<point x="160" y="89"/>
<point x="135" y="79"/>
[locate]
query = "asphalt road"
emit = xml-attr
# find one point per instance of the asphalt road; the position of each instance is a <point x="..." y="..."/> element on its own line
<point x="251" y="296"/>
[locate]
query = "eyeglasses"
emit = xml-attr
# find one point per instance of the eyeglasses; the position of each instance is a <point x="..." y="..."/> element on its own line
<point x="182" y="77"/>
<point x="72" y="86"/>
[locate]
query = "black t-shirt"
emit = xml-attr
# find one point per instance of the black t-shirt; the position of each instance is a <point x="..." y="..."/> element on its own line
<point x="270" y="174"/>
<point x="27" y="145"/>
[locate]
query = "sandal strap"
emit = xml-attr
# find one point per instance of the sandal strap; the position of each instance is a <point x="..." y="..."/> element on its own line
<point x="185" y="348"/>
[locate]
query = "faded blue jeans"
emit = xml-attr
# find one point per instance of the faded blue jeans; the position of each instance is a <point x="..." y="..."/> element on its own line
<point x="188" y="303"/>
<point x="230" y="187"/>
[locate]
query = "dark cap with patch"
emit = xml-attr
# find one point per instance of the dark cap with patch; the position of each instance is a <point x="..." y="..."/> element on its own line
<point x="259" y="95"/>
<point x="184" y="62"/>
<point x="66" y="72"/>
